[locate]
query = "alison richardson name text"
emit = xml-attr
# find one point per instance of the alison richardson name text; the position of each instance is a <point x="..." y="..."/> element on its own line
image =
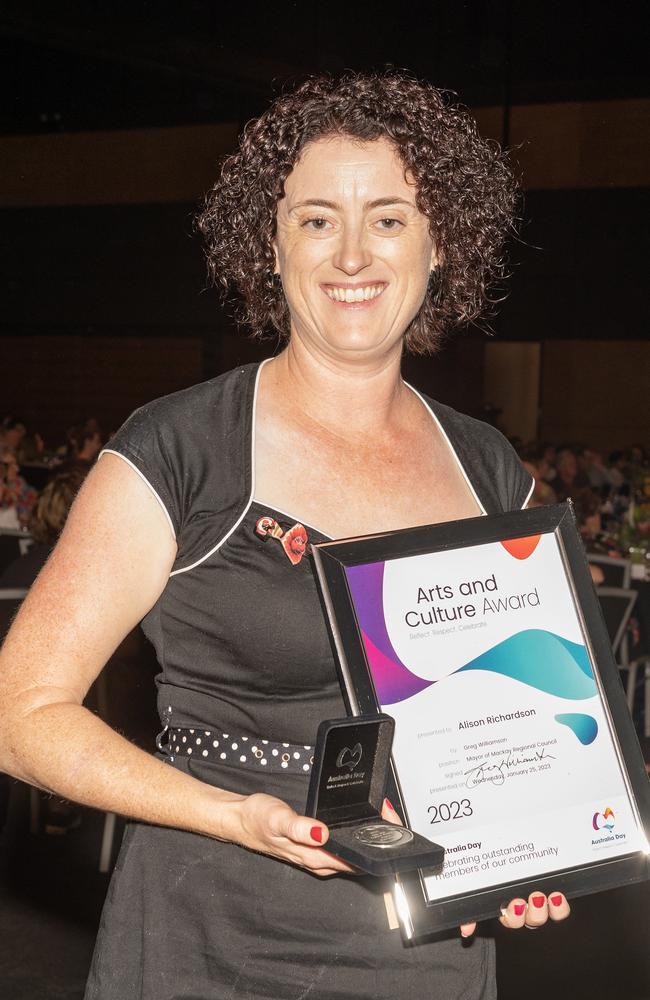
<point x="489" y="720"/>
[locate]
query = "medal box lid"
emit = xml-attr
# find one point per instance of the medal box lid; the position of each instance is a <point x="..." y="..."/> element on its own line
<point x="351" y="761"/>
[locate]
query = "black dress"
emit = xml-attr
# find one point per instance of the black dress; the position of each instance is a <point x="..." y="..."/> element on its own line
<point x="246" y="676"/>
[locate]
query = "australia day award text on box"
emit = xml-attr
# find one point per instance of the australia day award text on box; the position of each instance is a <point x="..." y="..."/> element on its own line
<point x="503" y="746"/>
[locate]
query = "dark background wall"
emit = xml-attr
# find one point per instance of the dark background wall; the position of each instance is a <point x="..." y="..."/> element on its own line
<point x="113" y="130"/>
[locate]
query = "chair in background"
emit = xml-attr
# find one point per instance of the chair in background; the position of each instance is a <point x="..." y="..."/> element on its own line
<point x="10" y="601"/>
<point x="616" y="604"/>
<point x="13" y="544"/>
<point x="616" y="572"/>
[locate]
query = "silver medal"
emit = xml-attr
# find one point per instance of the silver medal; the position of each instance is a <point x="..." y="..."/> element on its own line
<point x="380" y="835"/>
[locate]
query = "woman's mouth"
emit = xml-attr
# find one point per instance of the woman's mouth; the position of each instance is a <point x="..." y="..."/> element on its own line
<point x="353" y="295"/>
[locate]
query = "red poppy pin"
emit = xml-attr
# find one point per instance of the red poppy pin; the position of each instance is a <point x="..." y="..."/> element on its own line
<point x="293" y="541"/>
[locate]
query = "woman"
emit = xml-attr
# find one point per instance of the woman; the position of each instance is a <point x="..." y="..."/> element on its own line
<point x="17" y="497"/>
<point x="358" y="215"/>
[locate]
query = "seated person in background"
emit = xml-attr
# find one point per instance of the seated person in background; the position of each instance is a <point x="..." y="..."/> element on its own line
<point x="8" y="513"/>
<point x="592" y="464"/>
<point x="549" y="457"/>
<point x="31" y="449"/>
<point x="12" y="432"/>
<point x="638" y="455"/>
<point x="84" y="444"/>
<point x="569" y="478"/>
<point x="45" y="526"/>
<point x="17" y="498"/>
<point x="587" y="507"/>
<point x="535" y="462"/>
<point x="616" y="469"/>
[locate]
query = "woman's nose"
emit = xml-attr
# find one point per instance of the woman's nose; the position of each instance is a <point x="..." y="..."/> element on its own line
<point x="352" y="253"/>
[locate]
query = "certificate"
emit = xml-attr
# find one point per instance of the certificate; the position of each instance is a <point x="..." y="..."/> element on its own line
<point x="513" y="746"/>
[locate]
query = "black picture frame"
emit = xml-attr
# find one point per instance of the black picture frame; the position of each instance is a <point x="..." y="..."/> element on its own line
<point x="418" y="915"/>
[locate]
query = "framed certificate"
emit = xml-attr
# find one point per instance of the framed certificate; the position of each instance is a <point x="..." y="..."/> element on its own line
<point x="514" y="748"/>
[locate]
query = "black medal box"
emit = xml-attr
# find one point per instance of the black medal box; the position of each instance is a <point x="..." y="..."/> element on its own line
<point x="346" y="792"/>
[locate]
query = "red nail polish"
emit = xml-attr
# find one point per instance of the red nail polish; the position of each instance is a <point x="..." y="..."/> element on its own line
<point x="538" y="901"/>
<point x="387" y="802"/>
<point x="556" y="900"/>
<point x="316" y="834"/>
<point x="520" y="909"/>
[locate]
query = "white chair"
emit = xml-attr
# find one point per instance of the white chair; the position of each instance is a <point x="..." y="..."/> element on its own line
<point x="13" y="543"/>
<point x="10" y="601"/>
<point x="617" y="572"/>
<point x="616" y="604"/>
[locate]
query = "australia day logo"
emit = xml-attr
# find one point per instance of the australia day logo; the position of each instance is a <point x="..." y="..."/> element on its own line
<point x="603" y="820"/>
<point x="349" y="757"/>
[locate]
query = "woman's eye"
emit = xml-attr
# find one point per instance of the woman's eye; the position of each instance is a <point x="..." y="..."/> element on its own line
<point x="316" y="224"/>
<point x="389" y="224"/>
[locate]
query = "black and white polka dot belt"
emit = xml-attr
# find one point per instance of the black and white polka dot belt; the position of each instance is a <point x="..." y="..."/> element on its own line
<point x="236" y="751"/>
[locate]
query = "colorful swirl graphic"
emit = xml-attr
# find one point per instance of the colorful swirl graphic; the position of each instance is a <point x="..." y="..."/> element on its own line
<point x="535" y="657"/>
<point x="584" y="727"/>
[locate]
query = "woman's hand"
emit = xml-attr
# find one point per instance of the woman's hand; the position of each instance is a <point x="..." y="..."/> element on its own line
<point x="535" y="911"/>
<point x="519" y="912"/>
<point x="268" y="825"/>
<point x="531" y="914"/>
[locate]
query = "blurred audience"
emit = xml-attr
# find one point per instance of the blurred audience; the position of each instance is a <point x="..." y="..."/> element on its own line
<point x="568" y="477"/>
<point x="84" y="444"/>
<point x="549" y="454"/>
<point x="17" y="497"/>
<point x="616" y="468"/>
<point x="45" y="525"/>
<point x="535" y="461"/>
<point x="591" y="463"/>
<point x="12" y="432"/>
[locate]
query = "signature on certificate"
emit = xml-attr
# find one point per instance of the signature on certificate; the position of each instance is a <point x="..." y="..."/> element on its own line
<point x="496" y="773"/>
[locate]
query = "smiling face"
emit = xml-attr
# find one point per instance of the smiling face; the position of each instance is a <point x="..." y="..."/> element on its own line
<point x="353" y="249"/>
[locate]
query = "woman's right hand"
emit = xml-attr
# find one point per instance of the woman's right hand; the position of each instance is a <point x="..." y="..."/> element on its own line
<point x="268" y="825"/>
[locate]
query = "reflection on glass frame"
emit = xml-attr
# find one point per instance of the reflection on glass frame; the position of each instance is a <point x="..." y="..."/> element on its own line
<point x="514" y="747"/>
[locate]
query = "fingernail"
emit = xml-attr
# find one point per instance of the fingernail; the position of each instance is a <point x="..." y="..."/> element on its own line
<point x="556" y="900"/>
<point x="538" y="901"/>
<point x="387" y="802"/>
<point x="520" y="909"/>
<point x="316" y="833"/>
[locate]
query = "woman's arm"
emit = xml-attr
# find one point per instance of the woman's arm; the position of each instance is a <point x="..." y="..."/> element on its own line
<point x="108" y="569"/>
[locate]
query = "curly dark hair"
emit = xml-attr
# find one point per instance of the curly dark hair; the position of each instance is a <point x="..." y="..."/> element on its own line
<point x="463" y="185"/>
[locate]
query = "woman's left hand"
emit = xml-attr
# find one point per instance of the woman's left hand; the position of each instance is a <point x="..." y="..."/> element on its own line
<point x="535" y="911"/>
<point x="531" y="913"/>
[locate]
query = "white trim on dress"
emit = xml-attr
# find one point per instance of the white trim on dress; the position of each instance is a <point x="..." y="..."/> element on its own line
<point x="253" y="499"/>
<point x="449" y="445"/>
<point x="246" y="509"/>
<point x="530" y="493"/>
